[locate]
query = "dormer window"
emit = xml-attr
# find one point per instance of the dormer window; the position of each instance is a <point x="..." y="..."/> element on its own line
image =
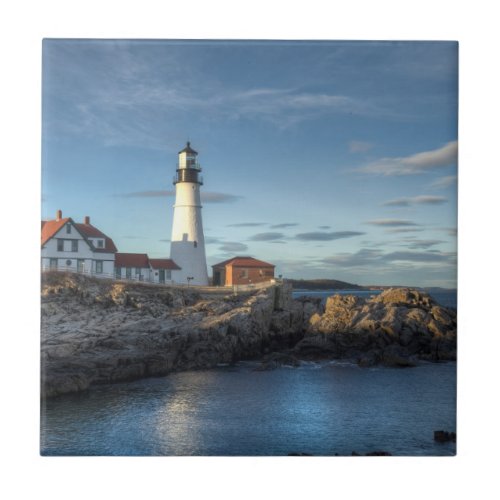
<point x="68" y="228"/>
<point x="100" y="243"/>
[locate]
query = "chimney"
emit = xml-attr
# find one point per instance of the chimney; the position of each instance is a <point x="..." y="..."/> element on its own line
<point x="59" y="215"/>
<point x="86" y="220"/>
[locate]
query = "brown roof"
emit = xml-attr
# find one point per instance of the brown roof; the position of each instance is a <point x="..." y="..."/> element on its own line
<point x="131" y="260"/>
<point x="243" y="262"/>
<point x="163" y="264"/>
<point x="89" y="231"/>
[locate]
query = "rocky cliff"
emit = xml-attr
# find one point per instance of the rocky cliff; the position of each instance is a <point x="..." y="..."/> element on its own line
<point x="99" y="331"/>
<point x="96" y="331"/>
<point x="395" y="328"/>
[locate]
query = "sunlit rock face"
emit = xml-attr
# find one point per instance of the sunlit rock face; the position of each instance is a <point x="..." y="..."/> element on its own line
<point x="395" y="328"/>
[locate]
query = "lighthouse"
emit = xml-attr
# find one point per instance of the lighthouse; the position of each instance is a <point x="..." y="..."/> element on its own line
<point x="187" y="247"/>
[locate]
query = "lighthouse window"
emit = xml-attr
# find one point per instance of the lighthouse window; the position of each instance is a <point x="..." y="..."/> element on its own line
<point x="195" y="244"/>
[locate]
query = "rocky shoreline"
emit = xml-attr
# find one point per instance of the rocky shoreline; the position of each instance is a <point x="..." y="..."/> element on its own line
<point x="103" y="331"/>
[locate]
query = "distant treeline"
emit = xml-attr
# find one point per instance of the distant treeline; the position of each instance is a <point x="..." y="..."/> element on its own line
<point x="324" y="284"/>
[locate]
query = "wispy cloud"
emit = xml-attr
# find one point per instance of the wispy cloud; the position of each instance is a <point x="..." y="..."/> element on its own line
<point x="444" y="182"/>
<point x="416" y="200"/>
<point x="391" y="222"/>
<point x="418" y="163"/>
<point x="374" y="257"/>
<point x="422" y="244"/>
<point x="206" y="196"/>
<point x="321" y="236"/>
<point x="359" y="146"/>
<point x="211" y="240"/>
<point x="405" y="230"/>
<point x="284" y="225"/>
<point x="324" y="227"/>
<point x="267" y="236"/>
<point x="247" y="224"/>
<point x="233" y="246"/>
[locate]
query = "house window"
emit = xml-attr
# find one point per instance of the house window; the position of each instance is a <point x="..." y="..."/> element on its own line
<point x="118" y="272"/>
<point x="168" y="274"/>
<point x="74" y="245"/>
<point x="68" y="228"/>
<point x="244" y="273"/>
<point x="128" y="273"/>
<point x="60" y="245"/>
<point x="137" y="270"/>
<point x="68" y="263"/>
<point x="98" y="266"/>
<point x="195" y="244"/>
<point x="53" y="264"/>
<point x="100" y="243"/>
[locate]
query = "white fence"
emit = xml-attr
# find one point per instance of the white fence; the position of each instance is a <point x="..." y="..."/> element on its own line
<point x="236" y="289"/>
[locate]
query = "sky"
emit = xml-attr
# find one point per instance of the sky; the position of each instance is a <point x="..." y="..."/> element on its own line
<point x="328" y="159"/>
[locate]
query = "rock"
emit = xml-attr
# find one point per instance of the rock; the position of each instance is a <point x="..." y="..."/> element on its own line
<point x="397" y="356"/>
<point x="378" y="453"/>
<point x="408" y="321"/>
<point x="445" y="437"/>
<point x="277" y="360"/>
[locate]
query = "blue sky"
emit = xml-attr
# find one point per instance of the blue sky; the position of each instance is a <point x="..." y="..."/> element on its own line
<point x="328" y="159"/>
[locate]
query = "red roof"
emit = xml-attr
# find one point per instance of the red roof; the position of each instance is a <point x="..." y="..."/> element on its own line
<point x="89" y="231"/>
<point x="163" y="264"/>
<point x="50" y="228"/>
<point x="131" y="260"/>
<point x="243" y="262"/>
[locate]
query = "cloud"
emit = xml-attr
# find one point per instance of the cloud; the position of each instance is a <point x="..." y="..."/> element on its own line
<point x="373" y="257"/>
<point x="416" y="256"/>
<point x="211" y="197"/>
<point x="148" y="194"/>
<point x="247" y="224"/>
<point x="206" y="196"/>
<point x="391" y="223"/>
<point x="423" y="244"/>
<point x="211" y="240"/>
<point x="233" y="246"/>
<point x="404" y="230"/>
<point x="359" y="146"/>
<point x="324" y="227"/>
<point x="165" y="240"/>
<point x="444" y="182"/>
<point x="320" y="236"/>
<point x="267" y="236"/>
<point x="416" y="200"/>
<point x="418" y="163"/>
<point x="284" y="225"/>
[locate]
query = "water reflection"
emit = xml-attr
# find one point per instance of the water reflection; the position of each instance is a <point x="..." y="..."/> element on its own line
<point x="319" y="409"/>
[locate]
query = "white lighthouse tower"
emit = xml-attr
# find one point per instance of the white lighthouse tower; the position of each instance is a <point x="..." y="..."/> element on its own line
<point x="187" y="247"/>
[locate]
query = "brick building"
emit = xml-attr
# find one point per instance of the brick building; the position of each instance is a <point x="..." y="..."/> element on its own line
<point x="242" y="271"/>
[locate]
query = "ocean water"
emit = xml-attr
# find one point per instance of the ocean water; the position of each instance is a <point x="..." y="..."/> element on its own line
<point x="446" y="298"/>
<point x="322" y="408"/>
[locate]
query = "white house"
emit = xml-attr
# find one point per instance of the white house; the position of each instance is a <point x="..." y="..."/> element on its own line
<point x="81" y="247"/>
<point x="68" y="245"/>
<point x="132" y="266"/>
<point x="164" y="270"/>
